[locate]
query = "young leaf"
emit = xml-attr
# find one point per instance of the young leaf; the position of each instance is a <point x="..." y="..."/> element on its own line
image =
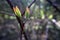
<point x="27" y="12"/>
<point x="17" y="11"/>
<point x="51" y="16"/>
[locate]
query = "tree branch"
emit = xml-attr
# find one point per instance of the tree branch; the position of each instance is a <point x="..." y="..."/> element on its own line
<point x="19" y="20"/>
<point x="28" y="7"/>
<point x="31" y="3"/>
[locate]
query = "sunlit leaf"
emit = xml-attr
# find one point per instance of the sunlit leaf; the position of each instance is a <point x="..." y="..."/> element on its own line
<point x="17" y="11"/>
<point x="51" y="16"/>
<point x="42" y="14"/>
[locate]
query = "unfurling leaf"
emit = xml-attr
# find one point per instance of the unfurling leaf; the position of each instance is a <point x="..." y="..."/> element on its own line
<point x="27" y="12"/>
<point x="17" y="11"/>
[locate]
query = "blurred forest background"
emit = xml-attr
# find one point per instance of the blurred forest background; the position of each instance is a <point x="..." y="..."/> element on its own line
<point x="41" y="23"/>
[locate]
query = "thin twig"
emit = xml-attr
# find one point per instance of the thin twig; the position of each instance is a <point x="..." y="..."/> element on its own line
<point x="19" y="20"/>
<point x="28" y="7"/>
<point x="31" y="3"/>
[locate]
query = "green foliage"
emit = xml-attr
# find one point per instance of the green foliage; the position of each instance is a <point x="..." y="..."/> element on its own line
<point x="42" y="14"/>
<point x="6" y="16"/>
<point x="27" y="13"/>
<point x="50" y="16"/>
<point x="17" y="11"/>
<point x="12" y="17"/>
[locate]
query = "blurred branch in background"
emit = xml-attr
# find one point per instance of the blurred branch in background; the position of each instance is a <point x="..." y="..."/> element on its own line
<point x="54" y="6"/>
<point x="6" y="13"/>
